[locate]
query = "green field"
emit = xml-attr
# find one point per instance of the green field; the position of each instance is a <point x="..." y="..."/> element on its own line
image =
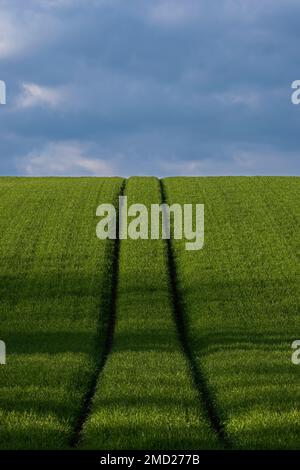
<point x="140" y="344"/>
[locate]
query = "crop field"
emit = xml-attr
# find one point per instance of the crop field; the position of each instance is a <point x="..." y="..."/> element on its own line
<point x="241" y="297"/>
<point x="52" y="312"/>
<point x="141" y="344"/>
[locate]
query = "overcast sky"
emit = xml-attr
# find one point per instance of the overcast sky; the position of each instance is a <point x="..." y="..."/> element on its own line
<point x="160" y="87"/>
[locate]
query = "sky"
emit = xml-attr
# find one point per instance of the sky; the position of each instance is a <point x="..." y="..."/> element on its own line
<point x="149" y="87"/>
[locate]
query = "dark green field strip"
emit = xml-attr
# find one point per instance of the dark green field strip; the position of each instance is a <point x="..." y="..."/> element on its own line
<point x="241" y="300"/>
<point x="145" y="396"/>
<point x="55" y="284"/>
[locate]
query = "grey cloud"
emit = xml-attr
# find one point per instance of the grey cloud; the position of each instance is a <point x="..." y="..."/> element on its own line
<point x="199" y="84"/>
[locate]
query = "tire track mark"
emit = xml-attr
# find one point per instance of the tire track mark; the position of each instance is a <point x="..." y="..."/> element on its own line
<point x="205" y="397"/>
<point x="108" y="312"/>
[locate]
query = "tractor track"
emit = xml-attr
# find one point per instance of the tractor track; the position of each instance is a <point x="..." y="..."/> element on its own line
<point x="200" y="383"/>
<point x="108" y="312"/>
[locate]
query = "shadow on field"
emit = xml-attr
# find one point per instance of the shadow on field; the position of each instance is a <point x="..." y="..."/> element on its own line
<point x="48" y="343"/>
<point x="43" y="287"/>
<point x="268" y="295"/>
<point x="54" y="325"/>
<point x="54" y="339"/>
<point x="241" y="336"/>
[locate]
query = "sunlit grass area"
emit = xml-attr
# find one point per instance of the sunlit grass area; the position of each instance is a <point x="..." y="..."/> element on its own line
<point x="146" y="397"/>
<point x="241" y="300"/>
<point x="141" y="344"/>
<point x="54" y="273"/>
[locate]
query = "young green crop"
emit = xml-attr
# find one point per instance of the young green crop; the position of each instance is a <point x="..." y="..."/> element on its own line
<point x="240" y="299"/>
<point x="145" y="397"/>
<point x="241" y="296"/>
<point x="55" y="280"/>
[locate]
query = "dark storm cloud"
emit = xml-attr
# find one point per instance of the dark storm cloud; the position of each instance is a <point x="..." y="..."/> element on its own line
<point x="160" y="87"/>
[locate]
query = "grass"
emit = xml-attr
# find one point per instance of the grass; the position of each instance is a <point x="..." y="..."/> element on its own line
<point x="142" y="344"/>
<point x="241" y="299"/>
<point x="146" y="397"/>
<point x="53" y="272"/>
